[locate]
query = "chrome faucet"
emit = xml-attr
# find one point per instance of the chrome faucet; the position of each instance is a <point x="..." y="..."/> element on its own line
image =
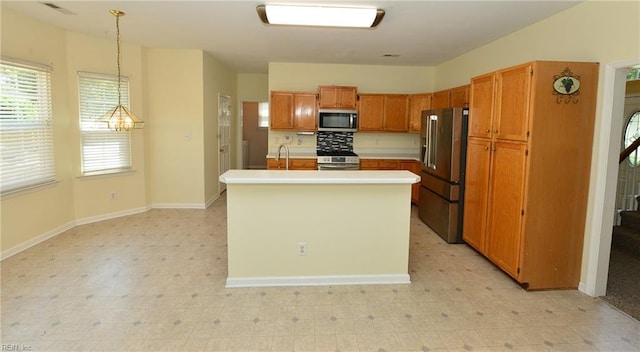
<point x="286" y="149"/>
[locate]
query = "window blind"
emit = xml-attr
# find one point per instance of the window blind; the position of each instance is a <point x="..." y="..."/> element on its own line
<point x="103" y="150"/>
<point x="26" y="128"/>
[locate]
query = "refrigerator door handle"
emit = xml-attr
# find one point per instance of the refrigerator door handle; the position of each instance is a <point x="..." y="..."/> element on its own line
<point x="432" y="141"/>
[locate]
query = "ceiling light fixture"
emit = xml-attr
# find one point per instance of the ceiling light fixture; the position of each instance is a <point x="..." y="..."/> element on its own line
<point x="324" y="16"/>
<point x="120" y="118"/>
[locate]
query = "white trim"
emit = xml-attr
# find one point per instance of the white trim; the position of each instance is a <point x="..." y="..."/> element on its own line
<point x="318" y="280"/>
<point x="210" y="201"/>
<point x="34" y="241"/>
<point x="110" y="216"/>
<point x="178" y="206"/>
<point x="603" y="184"/>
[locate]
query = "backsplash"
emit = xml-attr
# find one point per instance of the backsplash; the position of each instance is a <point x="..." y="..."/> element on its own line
<point x="361" y="142"/>
<point x="332" y="141"/>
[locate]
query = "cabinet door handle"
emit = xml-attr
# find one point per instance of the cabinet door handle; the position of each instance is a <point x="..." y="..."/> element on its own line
<point x="486" y="148"/>
<point x="493" y="149"/>
<point x="495" y="131"/>
<point x="488" y="130"/>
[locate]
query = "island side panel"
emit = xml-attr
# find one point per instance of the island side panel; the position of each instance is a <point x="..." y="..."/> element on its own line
<point x="355" y="229"/>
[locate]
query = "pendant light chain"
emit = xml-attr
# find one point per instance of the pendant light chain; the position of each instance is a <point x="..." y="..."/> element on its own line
<point x="118" y="55"/>
<point x="120" y="118"/>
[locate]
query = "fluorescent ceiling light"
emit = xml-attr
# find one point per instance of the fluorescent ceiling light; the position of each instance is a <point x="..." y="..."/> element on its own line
<point x="320" y="16"/>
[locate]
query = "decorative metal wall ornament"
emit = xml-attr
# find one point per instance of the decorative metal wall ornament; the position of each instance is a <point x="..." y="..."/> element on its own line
<point x="566" y="86"/>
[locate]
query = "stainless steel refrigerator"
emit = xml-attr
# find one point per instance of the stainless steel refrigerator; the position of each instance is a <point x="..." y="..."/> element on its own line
<point x="444" y="146"/>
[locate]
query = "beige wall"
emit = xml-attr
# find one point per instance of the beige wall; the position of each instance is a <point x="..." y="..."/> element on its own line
<point x="598" y="31"/>
<point x="218" y="80"/>
<point x="92" y="195"/>
<point x="174" y="91"/>
<point x="39" y="213"/>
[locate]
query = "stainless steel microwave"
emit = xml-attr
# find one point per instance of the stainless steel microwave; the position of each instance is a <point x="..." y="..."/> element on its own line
<point x="338" y="120"/>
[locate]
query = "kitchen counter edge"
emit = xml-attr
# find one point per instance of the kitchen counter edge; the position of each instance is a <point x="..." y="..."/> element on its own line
<point x="318" y="177"/>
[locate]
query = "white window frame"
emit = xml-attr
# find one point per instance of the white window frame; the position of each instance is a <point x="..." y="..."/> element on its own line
<point x="263" y="114"/>
<point x="102" y="151"/>
<point x="27" y="155"/>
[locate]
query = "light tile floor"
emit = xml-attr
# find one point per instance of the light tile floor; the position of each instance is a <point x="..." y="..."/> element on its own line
<point x="155" y="282"/>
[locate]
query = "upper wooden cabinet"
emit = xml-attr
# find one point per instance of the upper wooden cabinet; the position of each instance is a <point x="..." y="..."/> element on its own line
<point x="440" y="99"/>
<point x="418" y="103"/>
<point x="293" y="111"/>
<point x="383" y="112"/>
<point x="457" y="97"/>
<point x="501" y="102"/>
<point x="527" y="171"/>
<point x="339" y="97"/>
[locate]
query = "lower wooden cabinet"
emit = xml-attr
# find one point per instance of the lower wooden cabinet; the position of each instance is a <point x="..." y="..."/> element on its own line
<point x="294" y="164"/>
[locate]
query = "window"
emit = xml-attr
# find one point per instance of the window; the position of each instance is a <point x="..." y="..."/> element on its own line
<point x="26" y="128"/>
<point x="103" y="150"/>
<point x="631" y="133"/>
<point x="263" y="114"/>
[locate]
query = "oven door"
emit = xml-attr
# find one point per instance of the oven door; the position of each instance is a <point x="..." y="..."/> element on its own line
<point x="337" y="166"/>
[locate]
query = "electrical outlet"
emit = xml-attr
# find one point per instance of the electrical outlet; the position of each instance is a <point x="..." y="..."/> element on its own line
<point x="114" y="195"/>
<point x="301" y="248"/>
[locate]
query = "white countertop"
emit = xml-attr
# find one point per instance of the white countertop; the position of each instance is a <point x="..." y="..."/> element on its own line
<point x="318" y="177"/>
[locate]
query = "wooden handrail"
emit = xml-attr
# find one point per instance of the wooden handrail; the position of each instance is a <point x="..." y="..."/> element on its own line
<point x="630" y="149"/>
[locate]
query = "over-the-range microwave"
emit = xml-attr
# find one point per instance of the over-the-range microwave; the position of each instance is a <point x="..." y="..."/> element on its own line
<point x="338" y="120"/>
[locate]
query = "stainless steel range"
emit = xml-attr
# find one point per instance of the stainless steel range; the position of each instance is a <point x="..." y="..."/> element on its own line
<point x="338" y="160"/>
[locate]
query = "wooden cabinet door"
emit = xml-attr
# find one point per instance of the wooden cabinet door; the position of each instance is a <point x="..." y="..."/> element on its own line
<point x="505" y="206"/>
<point x="417" y="103"/>
<point x="370" y="112"/>
<point x="513" y="93"/>
<point x="396" y="113"/>
<point x="481" y="106"/>
<point x="476" y="192"/>
<point x="440" y="99"/>
<point x="459" y="97"/>
<point x="347" y="97"/>
<point x="272" y="164"/>
<point x="281" y="110"/>
<point x="337" y="97"/>
<point x="305" y="111"/>
<point x="303" y="164"/>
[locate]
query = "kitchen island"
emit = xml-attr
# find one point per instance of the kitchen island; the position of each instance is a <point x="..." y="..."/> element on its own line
<point x="296" y="228"/>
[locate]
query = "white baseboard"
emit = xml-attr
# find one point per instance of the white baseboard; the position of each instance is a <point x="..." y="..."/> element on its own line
<point x="34" y="241"/>
<point x="179" y="206"/>
<point x="582" y="287"/>
<point x="210" y="201"/>
<point x="109" y="216"/>
<point x="318" y="280"/>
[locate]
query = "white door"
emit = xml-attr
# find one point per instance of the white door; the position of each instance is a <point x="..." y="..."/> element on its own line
<point x="224" y="134"/>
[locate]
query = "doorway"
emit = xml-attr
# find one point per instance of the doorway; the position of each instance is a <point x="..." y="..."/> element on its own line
<point x="623" y="283"/>
<point x="255" y="134"/>
<point x="224" y="135"/>
<point x="604" y="178"/>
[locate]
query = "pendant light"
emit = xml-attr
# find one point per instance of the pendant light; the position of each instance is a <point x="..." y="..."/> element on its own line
<point x="120" y="118"/>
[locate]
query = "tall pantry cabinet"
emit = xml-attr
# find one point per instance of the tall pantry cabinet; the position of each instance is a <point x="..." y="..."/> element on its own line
<point x="528" y="164"/>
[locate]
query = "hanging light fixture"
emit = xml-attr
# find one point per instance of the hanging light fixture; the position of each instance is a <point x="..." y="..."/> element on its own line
<point x="120" y="118"/>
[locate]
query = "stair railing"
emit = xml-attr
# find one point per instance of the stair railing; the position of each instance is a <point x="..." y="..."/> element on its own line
<point x="628" y="181"/>
<point x="630" y="149"/>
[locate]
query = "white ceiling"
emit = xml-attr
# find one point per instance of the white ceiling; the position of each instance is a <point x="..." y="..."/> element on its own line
<point x="420" y="32"/>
